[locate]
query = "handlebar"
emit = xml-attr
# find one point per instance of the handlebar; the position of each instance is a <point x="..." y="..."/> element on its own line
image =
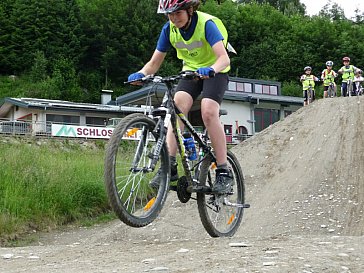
<point x="188" y="75"/>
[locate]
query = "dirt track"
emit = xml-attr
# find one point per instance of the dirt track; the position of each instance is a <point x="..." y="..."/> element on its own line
<point x="304" y="181"/>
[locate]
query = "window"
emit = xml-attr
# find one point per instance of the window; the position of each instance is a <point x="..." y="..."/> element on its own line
<point x="264" y="118"/>
<point x="266" y="89"/>
<point x="228" y="133"/>
<point x="242" y="130"/>
<point x="258" y="88"/>
<point x="228" y="129"/>
<point x="274" y="90"/>
<point x="96" y="121"/>
<point x="247" y="87"/>
<point x="63" y="119"/>
<point x="232" y="86"/>
<point x="240" y="86"/>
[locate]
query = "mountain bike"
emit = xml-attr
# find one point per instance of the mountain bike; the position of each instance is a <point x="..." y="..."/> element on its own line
<point x="331" y="90"/>
<point x="310" y="94"/>
<point x="349" y="87"/>
<point x="137" y="149"/>
<point x="358" y="88"/>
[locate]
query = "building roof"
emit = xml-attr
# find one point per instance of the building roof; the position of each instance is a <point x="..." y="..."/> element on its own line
<point x="60" y="105"/>
<point x="156" y="92"/>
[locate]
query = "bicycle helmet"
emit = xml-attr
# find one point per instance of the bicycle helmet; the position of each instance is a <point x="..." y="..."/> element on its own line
<point x="168" y="6"/>
<point x="329" y="63"/>
<point x="346" y="59"/>
<point x="307" y="68"/>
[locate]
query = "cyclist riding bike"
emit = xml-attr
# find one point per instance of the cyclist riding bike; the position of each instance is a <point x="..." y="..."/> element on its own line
<point x="348" y="72"/>
<point x="200" y="41"/>
<point x="328" y="76"/>
<point x="358" y="81"/>
<point x="308" y="85"/>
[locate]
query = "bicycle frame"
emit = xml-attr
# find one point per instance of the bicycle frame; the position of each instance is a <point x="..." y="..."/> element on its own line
<point x="349" y="87"/>
<point x="358" y="88"/>
<point x="331" y="90"/>
<point x="168" y="113"/>
<point x="309" y="94"/>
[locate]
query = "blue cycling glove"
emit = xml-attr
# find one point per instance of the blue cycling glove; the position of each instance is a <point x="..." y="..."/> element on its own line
<point x="206" y="71"/>
<point x="135" y="76"/>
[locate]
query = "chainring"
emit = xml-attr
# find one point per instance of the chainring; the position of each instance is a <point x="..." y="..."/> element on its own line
<point x="183" y="195"/>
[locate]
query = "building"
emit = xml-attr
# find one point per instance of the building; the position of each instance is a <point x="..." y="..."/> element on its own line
<point x="37" y="116"/>
<point x="251" y="105"/>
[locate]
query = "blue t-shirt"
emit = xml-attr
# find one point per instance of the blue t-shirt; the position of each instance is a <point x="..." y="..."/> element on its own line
<point x="213" y="34"/>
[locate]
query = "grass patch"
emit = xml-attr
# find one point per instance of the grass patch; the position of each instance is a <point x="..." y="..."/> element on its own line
<point x="49" y="185"/>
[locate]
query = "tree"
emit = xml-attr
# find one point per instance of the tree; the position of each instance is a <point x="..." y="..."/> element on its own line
<point x="288" y="7"/>
<point x="34" y="26"/>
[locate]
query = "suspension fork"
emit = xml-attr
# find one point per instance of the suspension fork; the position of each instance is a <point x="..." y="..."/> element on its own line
<point x="160" y="130"/>
<point x="140" y="148"/>
<point x="181" y="148"/>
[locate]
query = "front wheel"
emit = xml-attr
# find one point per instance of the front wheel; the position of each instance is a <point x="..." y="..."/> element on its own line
<point x="127" y="171"/>
<point x="221" y="215"/>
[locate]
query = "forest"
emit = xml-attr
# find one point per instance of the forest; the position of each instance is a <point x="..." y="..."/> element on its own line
<point x="71" y="49"/>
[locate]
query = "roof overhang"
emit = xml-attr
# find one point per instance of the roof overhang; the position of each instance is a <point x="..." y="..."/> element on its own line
<point x="155" y="93"/>
<point x="58" y="105"/>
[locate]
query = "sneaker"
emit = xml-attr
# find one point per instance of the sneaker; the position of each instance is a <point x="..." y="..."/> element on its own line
<point x="224" y="181"/>
<point x="155" y="182"/>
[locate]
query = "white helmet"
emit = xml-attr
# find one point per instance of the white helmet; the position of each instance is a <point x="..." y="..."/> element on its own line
<point x="307" y="68"/>
<point x="329" y="63"/>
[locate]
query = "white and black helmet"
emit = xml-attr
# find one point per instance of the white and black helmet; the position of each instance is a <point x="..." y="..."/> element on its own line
<point x="307" y="68"/>
<point x="329" y="63"/>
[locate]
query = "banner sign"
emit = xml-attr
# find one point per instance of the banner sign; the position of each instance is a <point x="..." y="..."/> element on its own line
<point x="62" y="130"/>
<point x="81" y="131"/>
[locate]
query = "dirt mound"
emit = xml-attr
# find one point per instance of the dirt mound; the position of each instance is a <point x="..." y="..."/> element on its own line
<point x="305" y="174"/>
<point x="304" y="181"/>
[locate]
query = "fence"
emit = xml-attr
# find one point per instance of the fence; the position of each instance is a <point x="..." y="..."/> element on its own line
<point x="29" y="128"/>
<point x="44" y="129"/>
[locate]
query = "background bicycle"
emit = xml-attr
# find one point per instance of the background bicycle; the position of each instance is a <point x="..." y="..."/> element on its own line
<point x="331" y="90"/>
<point x="137" y="149"/>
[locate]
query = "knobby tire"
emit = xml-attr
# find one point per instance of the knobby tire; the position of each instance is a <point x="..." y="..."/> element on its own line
<point x="225" y="222"/>
<point x="130" y="196"/>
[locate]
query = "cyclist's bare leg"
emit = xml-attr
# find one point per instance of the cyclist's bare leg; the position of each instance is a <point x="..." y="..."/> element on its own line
<point x="184" y="102"/>
<point x="210" y="116"/>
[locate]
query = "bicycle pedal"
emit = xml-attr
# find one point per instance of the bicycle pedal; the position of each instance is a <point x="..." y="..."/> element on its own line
<point x="200" y="188"/>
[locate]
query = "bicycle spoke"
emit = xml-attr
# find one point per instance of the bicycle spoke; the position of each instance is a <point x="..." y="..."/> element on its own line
<point x="219" y="214"/>
<point x="128" y="171"/>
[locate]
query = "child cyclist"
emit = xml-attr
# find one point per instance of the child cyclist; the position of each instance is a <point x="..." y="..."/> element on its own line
<point x="308" y="81"/>
<point x="200" y="41"/>
<point x="348" y="72"/>
<point x="328" y="76"/>
<point x="358" y="81"/>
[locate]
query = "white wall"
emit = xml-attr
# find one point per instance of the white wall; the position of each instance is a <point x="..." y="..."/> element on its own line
<point x="237" y="111"/>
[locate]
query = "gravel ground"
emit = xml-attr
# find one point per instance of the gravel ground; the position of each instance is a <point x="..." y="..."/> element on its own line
<point x="304" y="181"/>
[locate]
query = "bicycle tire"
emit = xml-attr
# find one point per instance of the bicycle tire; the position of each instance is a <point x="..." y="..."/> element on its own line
<point x="221" y="220"/>
<point x="130" y="195"/>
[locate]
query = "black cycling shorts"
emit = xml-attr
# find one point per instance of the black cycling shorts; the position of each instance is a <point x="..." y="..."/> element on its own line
<point x="211" y="88"/>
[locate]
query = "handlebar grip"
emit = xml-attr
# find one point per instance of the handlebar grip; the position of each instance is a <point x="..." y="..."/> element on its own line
<point x="212" y="74"/>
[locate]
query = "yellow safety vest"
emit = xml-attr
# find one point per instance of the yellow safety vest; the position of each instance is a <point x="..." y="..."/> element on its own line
<point x="308" y="81"/>
<point x="197" y="52"/>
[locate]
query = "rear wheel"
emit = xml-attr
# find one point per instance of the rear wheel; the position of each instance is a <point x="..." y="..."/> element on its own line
<point x="127" y="171"/>
<point x="221" y="215"/>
